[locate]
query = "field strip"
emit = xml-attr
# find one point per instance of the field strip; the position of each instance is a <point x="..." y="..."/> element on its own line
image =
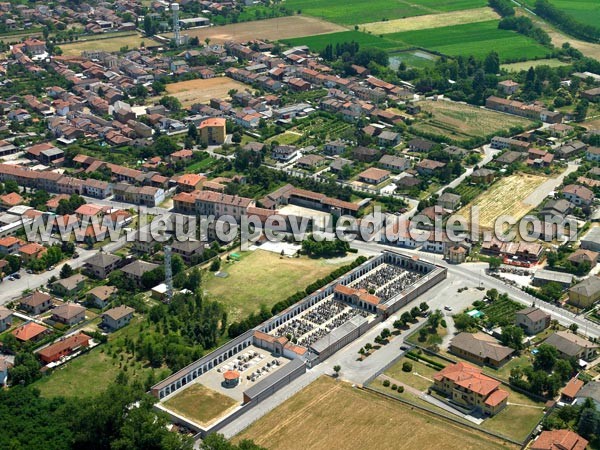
<point x="300" y="412"/>
<point x="431" y="21"/>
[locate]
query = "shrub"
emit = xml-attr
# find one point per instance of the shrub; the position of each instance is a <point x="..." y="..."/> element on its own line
<point x="407" y="367"/>
<point x="394" y="387"/>
<point x="400" y="389"/>
<point x="386" y="383"/>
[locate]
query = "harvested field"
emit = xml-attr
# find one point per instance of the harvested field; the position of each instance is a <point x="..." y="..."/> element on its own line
<point x="200" y="404"/>
<point x="201" y="91"/>
<point x="113" y="44"/>
<point x="333" y="414"/>
<point x="431" y="21"/>
<point x="462" y="122"/>
<point x="505" y="197"/>
<point x="270" y="29"/>
<point x="593" y="124"/>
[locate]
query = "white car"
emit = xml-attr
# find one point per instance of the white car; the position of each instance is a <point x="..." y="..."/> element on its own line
<point x="448" y="308"/>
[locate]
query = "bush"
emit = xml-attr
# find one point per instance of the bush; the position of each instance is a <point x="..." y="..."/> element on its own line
<point x="400" y="389"/>
<point x="407" y="367"/>
<point x="394" y="387"/>
<point x="386" y="383"/>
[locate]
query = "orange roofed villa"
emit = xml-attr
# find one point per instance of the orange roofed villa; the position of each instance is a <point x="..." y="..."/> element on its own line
<point x="467" y="387"/>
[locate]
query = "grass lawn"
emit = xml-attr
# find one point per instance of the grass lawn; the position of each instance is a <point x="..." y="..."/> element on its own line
<point x="476" y="39"/>
<point x="333" y="414"/>
<point x="201" y="166"/>
<point x="200" y="404"/>
<point x="352" y="12"/>
<point x="420" y="378"/>
<point x="584" y="11"/>
<point x="285" y="138"/>
<point x="519" y="417"/>
<point x="264" y="278"/>
<point x="89" y="374"/>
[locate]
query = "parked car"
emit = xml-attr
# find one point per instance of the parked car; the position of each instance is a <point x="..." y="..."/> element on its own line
<point x="448" y="308"/>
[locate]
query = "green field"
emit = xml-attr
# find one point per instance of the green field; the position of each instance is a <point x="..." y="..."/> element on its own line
<point x="476" y="39"/>
<point x="418" y="59"/>
<point x="525" y="65"/>
<point x="200" y="404"/>
<point x="502" y="311"/>
<point x="319" y="42"/>
<point x="353" y="12"/>
<point x="89" y="374"/>
<point x="584" y="11"/>
<point x="264" y="278"/>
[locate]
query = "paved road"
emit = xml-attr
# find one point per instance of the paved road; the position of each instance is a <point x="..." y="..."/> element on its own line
<point x="541" y="192"/>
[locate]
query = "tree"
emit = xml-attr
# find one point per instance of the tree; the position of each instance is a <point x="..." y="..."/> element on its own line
<point x="574" y="327"/>
<point x="423" y="306"/>
<point x="492" y="63"/>
<point x="171" y="103"/>
<point x="512" y="336"/>
<point x="337" y="369"/>
<point x="407" y="366"/>
<point x="589" y="423"/>
<point x="215" y="265"/>
<point x="545" y="358"/>
<point x="464" y="322"/>
<point x="66" y="271"/>
<point x="494" y="263"/>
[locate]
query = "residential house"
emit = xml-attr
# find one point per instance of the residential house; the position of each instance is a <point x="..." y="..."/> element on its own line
<point x="558" y="440"/>
<point x="582" y="256"/>
<point x="585" y="293"/>
<point x="64" y="348"/>
<point x="449" y="201"/>
<point x="365" y="154"/>
<point x="69" y="314"/>
<point x="136" y="269"/>
<point x="467" y="386"/>
<point x="590" y="391"/>
<point x="420" y="145"/>
<point x="374" y="176"/>
<point x="10" y="245"/>
<point x="101" y="264"/>
<point x="284" y="153"/>
<point x="213" y="131"/>
<point x="70" y="286"/>
<point x="30" y="332"/>
<point x="591" y="240"/>
<point x="116" y="318"/>
<point x="593" y="154"/>
<point x="31" y="251"/>
<point x="480" y="348"/>
<point x="578" y="195"/>
<point x="533" y="320"/>
<point x="394" y="163"/>
<point x="36" y="303"/>
<point x="570" y="345"/>
<point x="101" y="296"/>
<point x="429" y="166"/>
<point x="189" y="250"/>
<point x="5" y="318"/>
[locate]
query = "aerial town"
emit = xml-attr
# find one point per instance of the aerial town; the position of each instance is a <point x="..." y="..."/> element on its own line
<point x="300" y="224"/>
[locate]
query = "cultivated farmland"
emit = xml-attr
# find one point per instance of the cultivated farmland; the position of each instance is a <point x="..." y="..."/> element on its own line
<point x="462" y="122"/>
<point x="201" y="91"/>
<point x="505" y="197"/>
<point x="352" y="12"/>
<point x="264" y="278"/>
<point x="431" y="21"/>
<point x="502" y="311"/>
<point x="270" y="29"/>
<point x="333" y="414"/>
<point x="477" y="39"/>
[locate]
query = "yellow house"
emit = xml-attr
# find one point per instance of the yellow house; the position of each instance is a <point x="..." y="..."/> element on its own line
<point x="586" y="293"/>
<point x="212" y="131"/>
